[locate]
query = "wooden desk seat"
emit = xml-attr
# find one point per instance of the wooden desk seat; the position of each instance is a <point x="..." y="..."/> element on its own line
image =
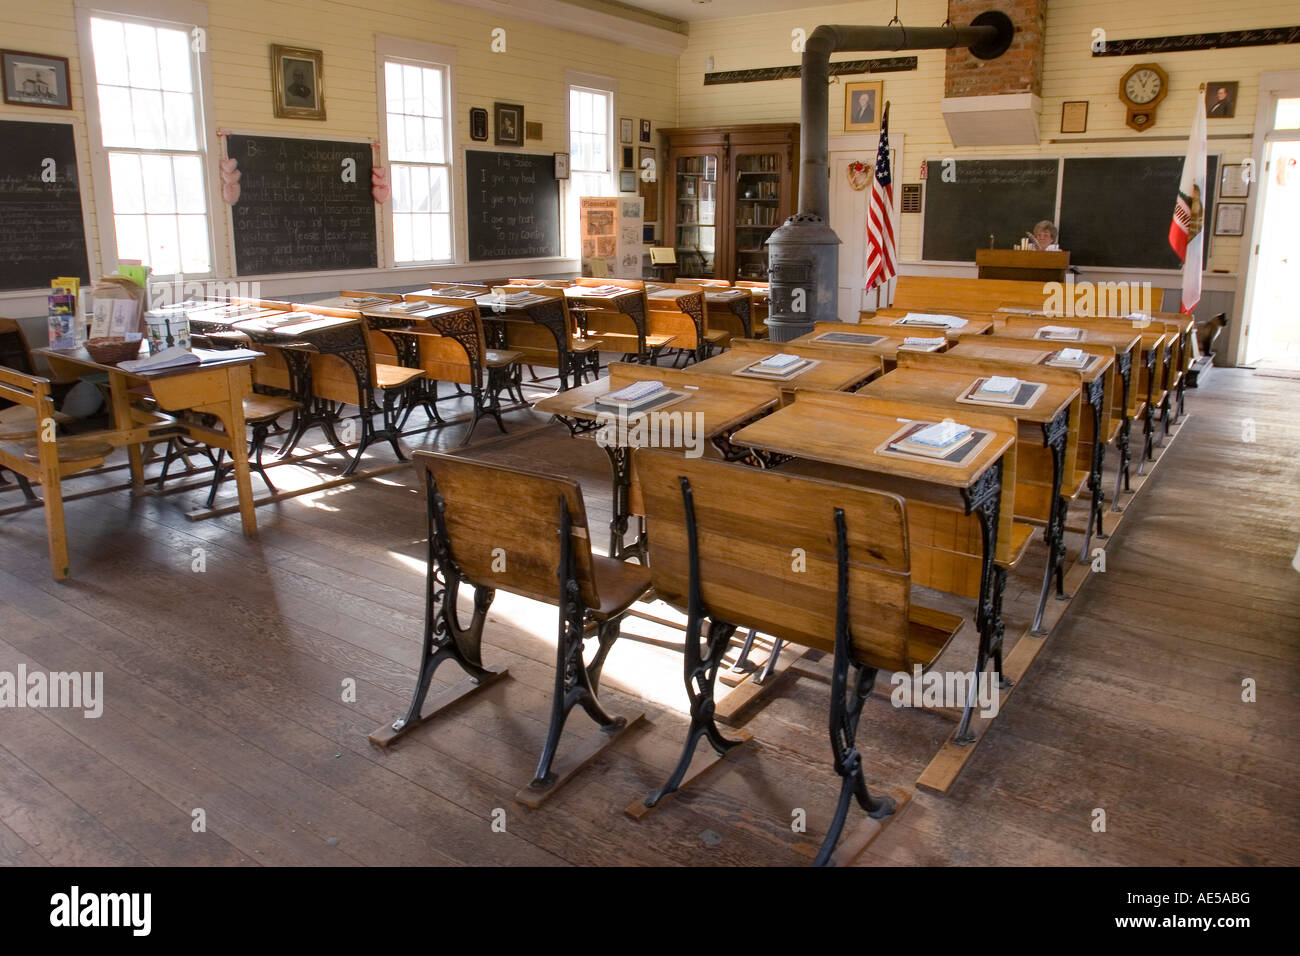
<point x="492" y="527"/>
<point x="46" y="463"/>
<point x="940" y="293"/>
<point x="19" y="421"/>
<point x="727" y="558"/>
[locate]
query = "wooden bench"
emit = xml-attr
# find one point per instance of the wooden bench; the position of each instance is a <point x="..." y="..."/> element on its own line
<point x="492" y="527"/>
<point x="945" y="293"/>
<point x="726" y="558"/>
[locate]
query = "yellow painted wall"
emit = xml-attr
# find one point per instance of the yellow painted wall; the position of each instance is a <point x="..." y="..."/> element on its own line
<point x="1070" y="73"/>
<point x="531" y="71"/>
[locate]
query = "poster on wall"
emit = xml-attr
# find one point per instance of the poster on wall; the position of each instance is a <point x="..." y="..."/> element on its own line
<point x="631" y="239"/>
<point x="598" y="222"/>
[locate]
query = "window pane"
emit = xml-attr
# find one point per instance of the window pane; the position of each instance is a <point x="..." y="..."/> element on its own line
<point x="179" y="120"/>
<point x="433" y="93"/>
<point x="1288" y="113"/>
<point x="441" y="237"/>
<point x="115" y="116"/>
<point x="392" y="88"/>
<point x="433" y="152"/>
<point x="124" y="175"/>
<point x="159" y="194"/>
<point x="146" y="110"/>
<point x="438" y="190"/>
<point x="419" y="190"/>
<point x="412" y="89"/>
<point x="164" y="245"/>
<point x="402" y="238"/>
<point x="142" y="55"/>
<point x="190" y="197"/>
<point x="414" y="138"/>
<point x="195" y="256"/>
<point x="110" y="51"/>
<point x="132" y="240"/>
<point x="174" y="60"/>
<point x="396" y="137"/>
<point x="421" y="240"/>
<point x="401" y="188"/>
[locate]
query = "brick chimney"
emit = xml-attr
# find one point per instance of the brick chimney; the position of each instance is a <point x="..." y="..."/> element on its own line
<point x="996" y="102"/>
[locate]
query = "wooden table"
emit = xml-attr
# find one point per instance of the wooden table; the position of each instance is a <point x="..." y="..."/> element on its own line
<point x="1051" y="421"/>
<point x="666" y="306"/>
<point x="720" y="407"/>
<point x="1099" y="391"/>
<point x="217" y="387"/>
<point x="845" y="430"/>
<point x="836" y="373"/>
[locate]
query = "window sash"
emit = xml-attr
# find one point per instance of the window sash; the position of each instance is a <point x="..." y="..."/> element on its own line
<point x="423" y="230"/>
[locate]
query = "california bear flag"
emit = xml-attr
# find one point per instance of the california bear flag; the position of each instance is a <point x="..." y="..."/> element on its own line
<point x="1186" y="232"/>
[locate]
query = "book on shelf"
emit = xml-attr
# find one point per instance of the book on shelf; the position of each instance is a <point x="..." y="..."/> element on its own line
<point x="938" y="440"/>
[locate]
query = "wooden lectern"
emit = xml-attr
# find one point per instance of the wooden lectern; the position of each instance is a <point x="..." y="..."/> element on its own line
<point x="1030" y="265"/>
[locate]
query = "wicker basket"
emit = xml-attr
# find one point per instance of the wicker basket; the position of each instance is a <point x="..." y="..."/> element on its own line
<point x="107" y="351"/>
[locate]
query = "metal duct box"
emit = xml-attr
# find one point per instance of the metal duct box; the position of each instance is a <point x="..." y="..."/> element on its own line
<point x="1007" y="119"/>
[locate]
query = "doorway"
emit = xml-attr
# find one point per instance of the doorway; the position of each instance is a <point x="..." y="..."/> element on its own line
<point x="849" y="219"/>
<point x="1270" y="310"/>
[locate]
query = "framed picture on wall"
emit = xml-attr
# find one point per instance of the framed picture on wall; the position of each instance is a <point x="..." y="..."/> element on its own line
<point x="34" y="79"/>
<point x="297" y="82"/>
<point x="862" y="106"/>
<point x="478" y="124"/>
<point x="561" y="165"/>
<point x="627" y="181"/>
<point x="1234" y="181"/>
<point x="645" y="131"/>
<point x="628" y="160"/>
<point x="1074" y="116"/>
<point x="1229" y="218"/>
<point x="509" y="123"/>
<point x="1221" y="99"/>
<point x="625" y="130"/>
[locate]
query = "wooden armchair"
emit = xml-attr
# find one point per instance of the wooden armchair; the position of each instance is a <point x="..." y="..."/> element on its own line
<point x="726" y="558"/>
<point x="493" y="527"/>
<point x="45" y="458"/>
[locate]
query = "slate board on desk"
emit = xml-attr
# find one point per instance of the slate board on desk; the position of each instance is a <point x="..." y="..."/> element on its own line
<point x="295" y="211"/>
<point x="1004" y="197"/>
<point x="512" y="203"/>
<point x="42" y="234"/>
<point x="1116" y="210"/>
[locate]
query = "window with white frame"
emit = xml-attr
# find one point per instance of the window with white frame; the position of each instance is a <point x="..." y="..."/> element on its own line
<point x="591" y="149"/>
<point x="419" y="158"/>
<point x="151" y="127"/>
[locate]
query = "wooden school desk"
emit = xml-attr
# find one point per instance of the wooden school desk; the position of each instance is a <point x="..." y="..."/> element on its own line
<point x="1047" y="429"/>
<point x="216" y="387"/>
<point x="625" y="298"/>
<point x="722" y="407"/>
<point x="976" y="324"/>
<point x="846" y="338"/>
<point x="960" y="517"/>
<point x="679" y="313"/>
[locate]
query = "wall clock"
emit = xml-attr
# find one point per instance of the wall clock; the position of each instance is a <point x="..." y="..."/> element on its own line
<point x="1140" y="90"/>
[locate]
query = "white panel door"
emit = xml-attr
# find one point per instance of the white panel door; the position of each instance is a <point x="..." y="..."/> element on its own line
<point x="849" y="220"/>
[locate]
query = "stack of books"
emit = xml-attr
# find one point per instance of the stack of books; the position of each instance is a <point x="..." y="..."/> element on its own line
<point x="631" y="397"/>
<point x="365" y="301"/>
<point x="924" y="343"/>
<point x="1068" y="358"/>
<point x="409" y="307"/>
<point x="601" y="290"/>
<point x="997" y="388"/>
<point x="782" y="366"/>
<point x="1060" y="333"/>
<point x="935" y="441"/>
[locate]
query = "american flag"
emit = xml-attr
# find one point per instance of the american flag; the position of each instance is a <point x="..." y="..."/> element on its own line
<point x="881" y="249"/>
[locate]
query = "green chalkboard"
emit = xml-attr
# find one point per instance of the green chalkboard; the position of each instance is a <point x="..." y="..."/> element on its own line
<point x="968" y="200"/>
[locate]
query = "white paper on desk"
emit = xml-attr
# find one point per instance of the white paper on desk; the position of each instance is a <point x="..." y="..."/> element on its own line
<point x="173" y="357"/>
<point x="226" y="355"/>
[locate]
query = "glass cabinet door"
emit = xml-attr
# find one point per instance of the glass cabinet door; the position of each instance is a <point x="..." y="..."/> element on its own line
<point x="757" y="203"/>
<point x="696" y="215"/>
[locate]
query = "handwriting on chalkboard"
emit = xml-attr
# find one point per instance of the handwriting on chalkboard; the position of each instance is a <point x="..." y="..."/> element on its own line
<point x="304" y="205"/>
<point x="1268" y="36"/>
<point x="42" y="234"/>
<point x="892" y="64"/>
<point x="513" y="205"/>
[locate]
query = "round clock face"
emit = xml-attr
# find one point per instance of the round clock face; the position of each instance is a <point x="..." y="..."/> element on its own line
<point x="1143" y="86"/>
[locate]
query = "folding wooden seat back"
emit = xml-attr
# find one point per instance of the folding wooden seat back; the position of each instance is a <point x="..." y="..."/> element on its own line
<point x="445" y="358"/>
<point x="380" y="344"/>
<point x="941" y="293"/>
<point x="768" y="558"/>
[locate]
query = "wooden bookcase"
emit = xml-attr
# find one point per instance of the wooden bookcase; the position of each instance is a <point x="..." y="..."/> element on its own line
<point x="726" y="188"/>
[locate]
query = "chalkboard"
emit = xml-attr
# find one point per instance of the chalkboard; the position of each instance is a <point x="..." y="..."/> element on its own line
<point x="302" y="208"/>
<point x="512" y="205"/>
<point x="1002" y="197"/>
<point x="42" y="234"/>
<point x="1115" y="211"/>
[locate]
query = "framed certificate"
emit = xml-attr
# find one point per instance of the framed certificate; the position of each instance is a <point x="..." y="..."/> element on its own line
<point x="1074" y="116"/>
<point x="1234" y="181"/>
<point x="1229" y="218"/>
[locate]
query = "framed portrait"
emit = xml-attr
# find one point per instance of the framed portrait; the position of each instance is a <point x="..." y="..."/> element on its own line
<point x="1074" y="116"/>
<point x="863" y="103"/>
<point x="478" y="124"/>
<point x="1221" y="99"/>
<point x="1229" y="218"/>
<point x="1234" y="181"/>
<point x="628" y="160"/>
<point x="648" y="233"/>
<point x="625" y="130"/>
<point x="561" y="165"/>
<point x="510" y="124"/>
<point x="627" y="181"/>
<point x="297" y="82"/>
<point x="34" y="79"/>
<point x="645" y="131"/>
